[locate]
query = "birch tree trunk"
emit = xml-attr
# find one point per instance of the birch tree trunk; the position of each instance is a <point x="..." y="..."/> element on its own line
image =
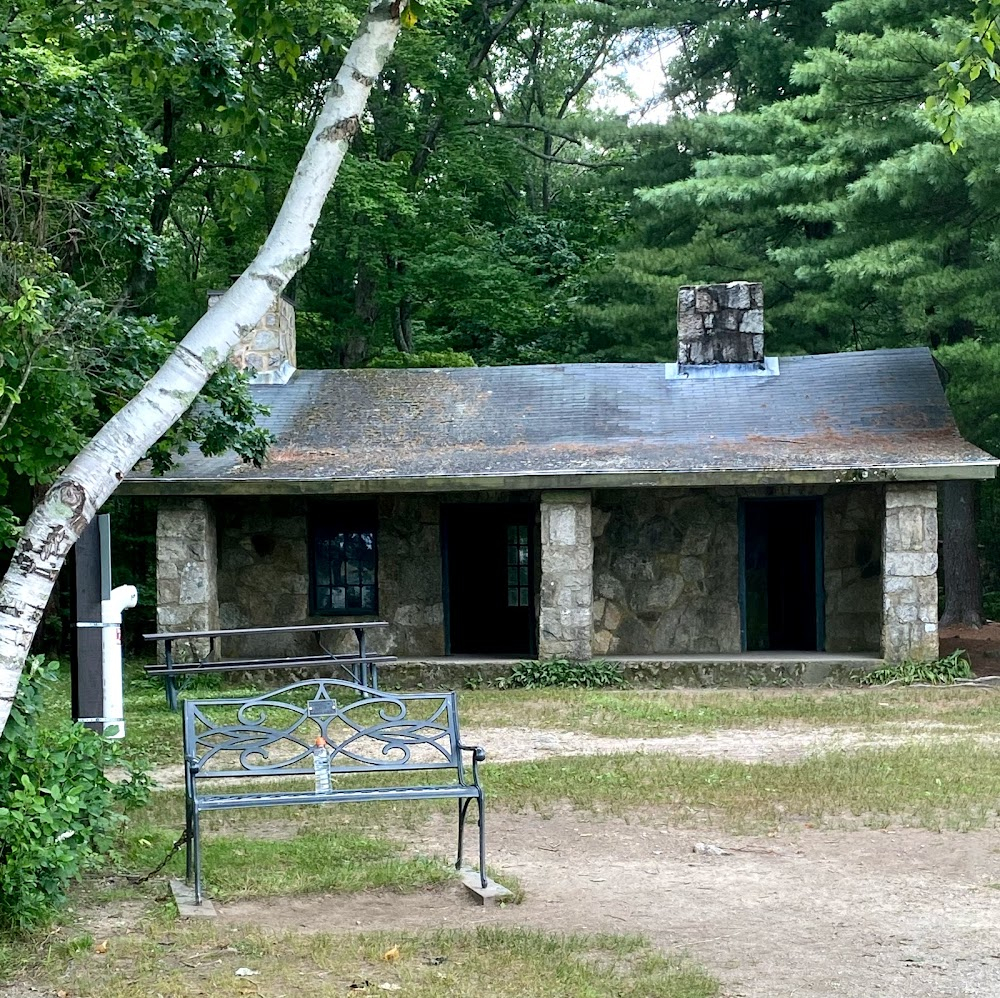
<point x="84" y="486"/>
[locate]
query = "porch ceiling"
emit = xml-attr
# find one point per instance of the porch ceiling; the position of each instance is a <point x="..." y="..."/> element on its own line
<point x="864" y="416"/>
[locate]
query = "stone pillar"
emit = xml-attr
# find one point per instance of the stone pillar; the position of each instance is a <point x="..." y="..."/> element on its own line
<point x="566" y="624"/>
<point x="909" y="573"/>
<point x="186" y="566"/>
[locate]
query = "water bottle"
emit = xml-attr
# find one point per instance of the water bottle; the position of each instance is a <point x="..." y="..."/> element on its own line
<point x="321" y="765"/>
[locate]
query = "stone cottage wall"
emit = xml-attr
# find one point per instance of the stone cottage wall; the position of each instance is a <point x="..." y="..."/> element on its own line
<point x="852" y="560"/>
<point x="666" y="568"/>
<point x="264" y="576"/>
<point x="665" y="572"/>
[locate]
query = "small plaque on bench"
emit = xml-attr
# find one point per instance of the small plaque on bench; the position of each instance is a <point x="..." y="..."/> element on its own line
<point x="321" y="707"/>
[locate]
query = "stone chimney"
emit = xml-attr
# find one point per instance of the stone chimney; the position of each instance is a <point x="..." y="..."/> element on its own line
<point x="720" y="324"/>
<point x="268" y="350"/>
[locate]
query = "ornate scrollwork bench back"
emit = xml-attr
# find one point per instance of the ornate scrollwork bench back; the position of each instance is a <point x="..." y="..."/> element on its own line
<point x="332" y="724"/>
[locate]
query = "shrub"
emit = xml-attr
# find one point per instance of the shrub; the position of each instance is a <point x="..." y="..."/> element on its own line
<point x="941" y="671"/>
<point x="562" y="672"/>
<point x="991" y="606"/>
<point x="60" y="814"/>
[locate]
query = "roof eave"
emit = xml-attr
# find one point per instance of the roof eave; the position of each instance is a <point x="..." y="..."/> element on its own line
<point x="262" y="485"/>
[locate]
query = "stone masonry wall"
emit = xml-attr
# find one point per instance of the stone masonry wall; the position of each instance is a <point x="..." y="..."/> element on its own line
<point x="666" y="568"/>
<point x="264" y="576"/>
<point x="566" y="599"/>
<point x="720" y="324"/>
<point x="852" y="562"/>
<point x="186" y="597"/>
<point x="268" y="350"/>
<point x="909" y="602"/>
<point x="665" y="572"/>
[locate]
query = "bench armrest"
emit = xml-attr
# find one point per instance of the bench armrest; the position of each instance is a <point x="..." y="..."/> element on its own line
<point x="478" y="756"/>
<point x="478" y="752"/>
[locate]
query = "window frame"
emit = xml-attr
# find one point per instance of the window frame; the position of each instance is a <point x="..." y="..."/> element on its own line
<point x="326" y="521"/>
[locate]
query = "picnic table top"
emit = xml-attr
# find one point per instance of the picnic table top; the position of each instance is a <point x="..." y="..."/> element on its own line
<point x="308" y="628"/>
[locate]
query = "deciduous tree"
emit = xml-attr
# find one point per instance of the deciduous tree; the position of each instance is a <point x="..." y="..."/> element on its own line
<point x="92" y="476"/>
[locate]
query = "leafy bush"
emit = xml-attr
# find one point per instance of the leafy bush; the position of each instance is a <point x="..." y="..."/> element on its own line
<point x="562" y="672"/>
<point x="943" y="670"/>
<point x="991" y="606"/>
<point x="60" y="814"/>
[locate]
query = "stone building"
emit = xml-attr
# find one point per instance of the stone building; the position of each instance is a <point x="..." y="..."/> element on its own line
<point x="728" y="507"/>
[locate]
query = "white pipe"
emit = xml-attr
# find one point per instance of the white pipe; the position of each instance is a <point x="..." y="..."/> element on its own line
<point x="122" y="598"/>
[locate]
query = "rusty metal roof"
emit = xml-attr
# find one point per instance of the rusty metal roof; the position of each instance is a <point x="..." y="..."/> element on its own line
<point x="822" y="418"/>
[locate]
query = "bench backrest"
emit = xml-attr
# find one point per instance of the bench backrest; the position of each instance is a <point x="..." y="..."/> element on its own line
<point x="365" y="730"/>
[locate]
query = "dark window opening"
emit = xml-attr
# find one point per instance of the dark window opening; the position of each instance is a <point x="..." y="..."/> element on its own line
<point x="343" y="577"/>
<point x="518" y="553"/>
<point x="782" y="565"/>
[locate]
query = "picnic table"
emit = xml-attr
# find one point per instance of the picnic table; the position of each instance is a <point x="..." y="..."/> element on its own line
<point x="361" y="667"/>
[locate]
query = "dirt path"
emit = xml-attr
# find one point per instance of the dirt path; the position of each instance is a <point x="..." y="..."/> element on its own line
<point x="898" y="914"/>
<point x="779" y="744"/>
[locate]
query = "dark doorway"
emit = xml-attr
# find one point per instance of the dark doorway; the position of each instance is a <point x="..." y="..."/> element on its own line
<point x="490" y="553"/>
<point x="781" y="545"/>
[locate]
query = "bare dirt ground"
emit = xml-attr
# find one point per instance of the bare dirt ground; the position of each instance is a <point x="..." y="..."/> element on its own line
<point x="816" y="914"/>
<point x="981" y="644"/>
<point x="807" y="913"/>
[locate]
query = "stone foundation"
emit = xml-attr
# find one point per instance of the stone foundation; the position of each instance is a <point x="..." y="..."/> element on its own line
<point x="910" y="594"/>
<point x="186" y="597"/>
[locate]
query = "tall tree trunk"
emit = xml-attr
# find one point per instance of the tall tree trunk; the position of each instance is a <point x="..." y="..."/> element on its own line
<point x="71" y="503"/>
<point x="402" y="326"/>
<point x="963" y="595"/>
<point x="140" y="284"/>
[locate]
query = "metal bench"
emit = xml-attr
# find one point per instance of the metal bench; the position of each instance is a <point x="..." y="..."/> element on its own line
<point x="360" y="666"/>
<point x="320" y="739"/>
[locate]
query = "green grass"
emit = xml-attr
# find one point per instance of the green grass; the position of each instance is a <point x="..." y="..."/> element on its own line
<point x="155" y="732"/>
<point x="178" y="960"/>
<point x="954" y="785"/>
<point x="651" y="713"/>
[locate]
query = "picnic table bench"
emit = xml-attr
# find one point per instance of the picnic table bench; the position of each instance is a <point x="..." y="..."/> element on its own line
<point x="361" y="667"/>
<point x="327" y="741"/>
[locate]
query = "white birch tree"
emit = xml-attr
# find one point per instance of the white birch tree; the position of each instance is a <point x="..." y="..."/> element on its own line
<point x="88" y="481"/>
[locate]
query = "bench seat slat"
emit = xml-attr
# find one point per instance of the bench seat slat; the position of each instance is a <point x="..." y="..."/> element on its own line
<point x="222" y="802"/>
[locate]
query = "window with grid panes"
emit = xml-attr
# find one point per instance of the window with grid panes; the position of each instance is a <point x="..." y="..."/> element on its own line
<point x="518" y="584"/>
<point x="343" y="559"/>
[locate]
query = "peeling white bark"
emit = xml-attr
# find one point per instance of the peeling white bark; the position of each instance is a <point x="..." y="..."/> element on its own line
<point x="94" y="474"/>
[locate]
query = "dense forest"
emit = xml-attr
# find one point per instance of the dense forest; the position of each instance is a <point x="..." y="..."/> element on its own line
<point x="531" y="184"/>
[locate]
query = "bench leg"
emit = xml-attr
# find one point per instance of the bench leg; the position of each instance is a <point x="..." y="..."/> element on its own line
<point x="482" y="839"/>
<point x="171" y="693"/>
<point x="196" y="850"/>
<point x="189" y="842"/>
<point x="463" y="806"/>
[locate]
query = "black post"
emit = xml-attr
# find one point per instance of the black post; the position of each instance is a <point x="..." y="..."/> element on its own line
<point x="91" y="578"/>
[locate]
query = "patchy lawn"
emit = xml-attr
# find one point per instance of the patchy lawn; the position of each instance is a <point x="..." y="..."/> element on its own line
<point x="177" y="960"/>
